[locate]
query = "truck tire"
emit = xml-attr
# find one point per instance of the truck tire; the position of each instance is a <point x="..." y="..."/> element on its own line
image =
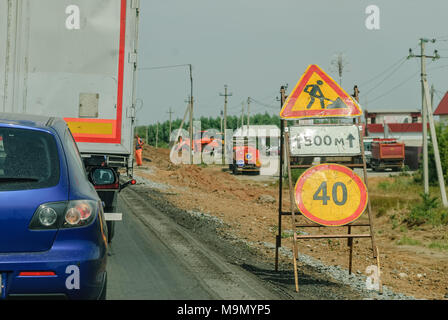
<point x="110" y="230"/>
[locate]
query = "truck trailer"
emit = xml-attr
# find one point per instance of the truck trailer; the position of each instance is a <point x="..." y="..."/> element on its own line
<point x="387" y="153"/>
<point x="76" y="60"/>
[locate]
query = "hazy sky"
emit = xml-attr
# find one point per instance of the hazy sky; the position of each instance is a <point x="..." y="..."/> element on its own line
<point x="255" y="46"/>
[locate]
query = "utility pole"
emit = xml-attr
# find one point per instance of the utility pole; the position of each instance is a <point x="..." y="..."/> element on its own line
<point x="422" y="57"/>
<point x="157" y="135"/>
<point x="187" y="109"/>
<point x="190" y="129"/>
<point x="432" y="97"/>
<point x="170" y="112"/>
<point x="191" y="115"/>
<point x="356" y="93"/>
<point x="147" y="129"/>
<point x="248" y="114"/>
<point x="356" y="96"/>
<point x="225" y="95"/>
<point x="242" y="116"/>
<point x="190" y="107"/>
<point x="339" y="64"/>
<point x="221" y="115"/>
<point x="435" y="145"/>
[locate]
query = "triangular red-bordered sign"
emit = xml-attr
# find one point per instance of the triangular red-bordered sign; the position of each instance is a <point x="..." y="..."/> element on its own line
<point x="317" y="95"/>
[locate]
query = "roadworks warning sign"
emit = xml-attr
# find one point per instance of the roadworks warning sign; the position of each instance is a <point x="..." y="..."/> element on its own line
<point x="317" y="95"/>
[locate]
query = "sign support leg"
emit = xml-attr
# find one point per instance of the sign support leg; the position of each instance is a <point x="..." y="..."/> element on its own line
<point x="369" y="207"/>
<point x="350" y="244"/>
<point x="379" y="270"/>
<point x="295" y="249"/>
<point x="278" y="240"/>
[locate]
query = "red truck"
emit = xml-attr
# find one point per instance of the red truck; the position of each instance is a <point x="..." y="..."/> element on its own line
<point x="387" y="153"/>
<point x="246" y="158"/>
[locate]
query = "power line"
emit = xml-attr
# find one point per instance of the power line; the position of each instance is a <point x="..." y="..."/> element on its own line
<point x="437" y="94"/>
<point x="363" y="84"/>
<point x="395" y="87"/>
<point x="380" y="74"/>
<point x="164" y="67"/>
<point x="439" y="67"/>
<point x="403" y="82"/>
<point x="392" y="72"/>
<point x="263" y="104"/>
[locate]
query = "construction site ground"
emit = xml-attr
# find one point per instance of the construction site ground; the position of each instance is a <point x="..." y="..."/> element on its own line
<point x="248" y="206"/>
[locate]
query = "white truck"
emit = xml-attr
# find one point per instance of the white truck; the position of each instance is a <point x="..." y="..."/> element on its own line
<point x="76" y="59"/>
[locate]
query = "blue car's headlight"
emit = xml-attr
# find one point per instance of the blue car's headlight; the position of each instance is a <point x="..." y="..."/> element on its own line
<point x="66" y="214"/>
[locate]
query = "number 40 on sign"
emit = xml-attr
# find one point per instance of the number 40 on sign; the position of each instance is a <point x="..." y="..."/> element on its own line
<point x="331" y="195"/>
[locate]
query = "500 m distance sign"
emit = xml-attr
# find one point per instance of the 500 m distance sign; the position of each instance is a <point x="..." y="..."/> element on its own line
<point x="331" y="195"/>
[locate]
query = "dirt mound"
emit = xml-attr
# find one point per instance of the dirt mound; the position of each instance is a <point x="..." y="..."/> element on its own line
<point x="210" y="179"/>
<point x="160" y="157"/>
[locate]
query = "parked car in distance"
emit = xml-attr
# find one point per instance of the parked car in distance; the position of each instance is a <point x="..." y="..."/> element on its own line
<point x="53" y="235"/>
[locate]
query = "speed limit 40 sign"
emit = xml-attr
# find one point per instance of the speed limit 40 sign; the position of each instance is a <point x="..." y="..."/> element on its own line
<point x="331" y="195"/>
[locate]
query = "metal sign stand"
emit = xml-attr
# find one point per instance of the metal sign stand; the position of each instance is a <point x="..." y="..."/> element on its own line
<point x="285" y="156"/>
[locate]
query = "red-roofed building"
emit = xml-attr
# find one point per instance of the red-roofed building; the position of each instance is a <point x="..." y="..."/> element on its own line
<point x="393" y="116"/>
<point x="442" y="109"/>
<point x="405" y="126"/>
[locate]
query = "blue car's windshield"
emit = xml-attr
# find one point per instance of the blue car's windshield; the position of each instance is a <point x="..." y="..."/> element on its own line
<point x="28" y="159"/>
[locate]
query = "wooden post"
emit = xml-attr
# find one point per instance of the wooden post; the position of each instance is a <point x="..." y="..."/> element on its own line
<point x="278" y="240"/>
<point x="293" y="205"/>
<point x="435" y="145"/>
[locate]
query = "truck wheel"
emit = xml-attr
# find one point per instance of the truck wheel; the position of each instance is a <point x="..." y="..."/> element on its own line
<point x="234" y="170"/>
<point x="110" y="230"/>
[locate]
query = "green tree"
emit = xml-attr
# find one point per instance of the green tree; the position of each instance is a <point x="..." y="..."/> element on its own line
<point x="442" y="140"/>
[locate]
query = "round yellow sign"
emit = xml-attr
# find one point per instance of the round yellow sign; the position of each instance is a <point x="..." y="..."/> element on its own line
<point x="331" y="195"/>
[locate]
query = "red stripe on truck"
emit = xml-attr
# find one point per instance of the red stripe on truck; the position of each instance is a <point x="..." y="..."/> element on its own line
<point x="119" y="119"/>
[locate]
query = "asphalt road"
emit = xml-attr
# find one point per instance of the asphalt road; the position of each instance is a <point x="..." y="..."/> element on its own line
<point x="153" y="257"/>
<point x="140" y="266"/>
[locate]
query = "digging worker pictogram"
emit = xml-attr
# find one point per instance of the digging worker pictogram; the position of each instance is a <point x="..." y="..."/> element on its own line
<point x="138" y="150"/>
<point x="315" y="92"/>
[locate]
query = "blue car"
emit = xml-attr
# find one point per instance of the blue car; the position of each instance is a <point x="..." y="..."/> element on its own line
<point x="53" y="235"/>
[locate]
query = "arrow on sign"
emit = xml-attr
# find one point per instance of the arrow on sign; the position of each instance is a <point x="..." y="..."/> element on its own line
<point x="350" y="139"/>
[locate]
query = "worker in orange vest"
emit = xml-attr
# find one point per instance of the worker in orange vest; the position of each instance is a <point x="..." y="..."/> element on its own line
<point x="138" y="150"/>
